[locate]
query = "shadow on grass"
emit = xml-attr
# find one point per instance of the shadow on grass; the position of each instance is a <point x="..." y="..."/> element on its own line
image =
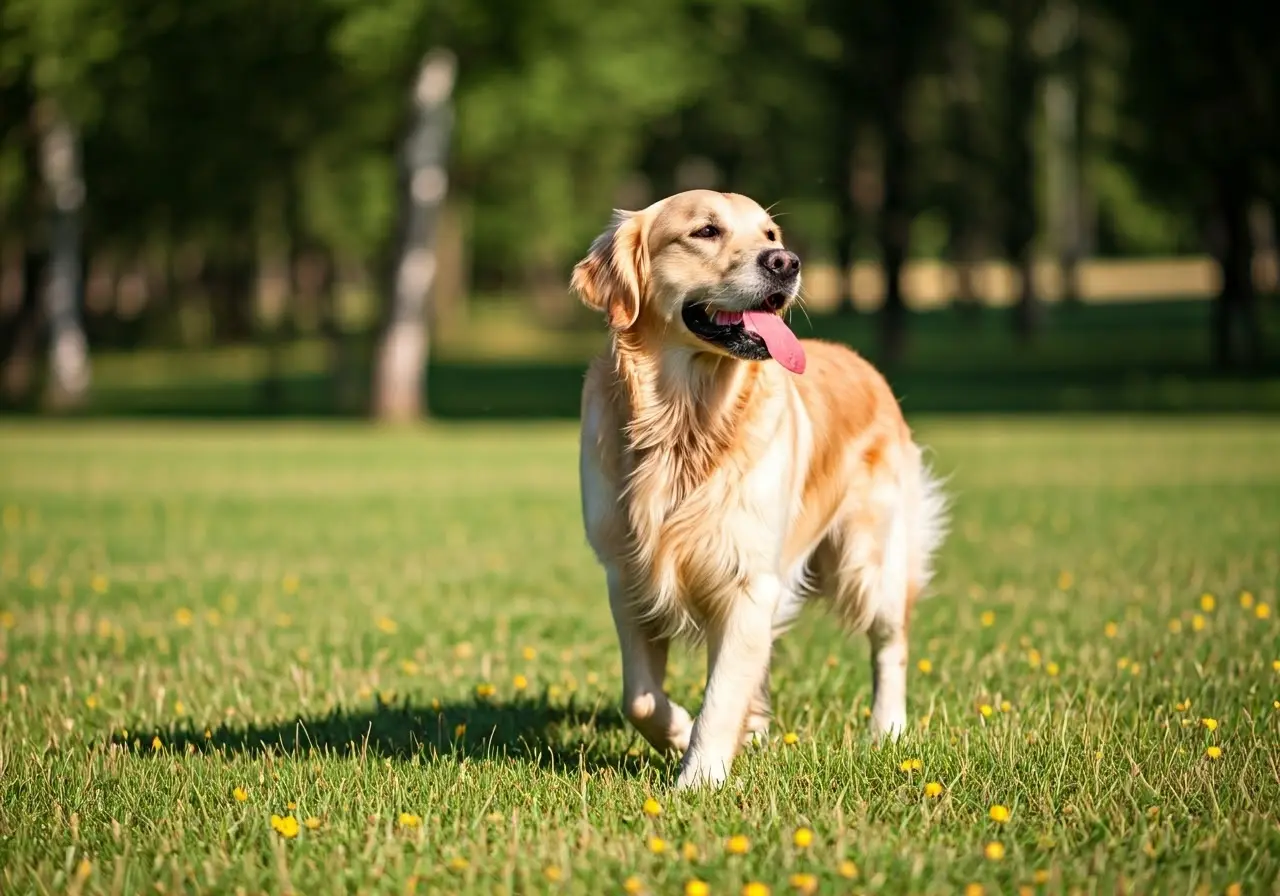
<point x="530" y="730"/>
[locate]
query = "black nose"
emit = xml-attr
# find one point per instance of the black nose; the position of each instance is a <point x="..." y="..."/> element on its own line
<point x="780" y="262"/>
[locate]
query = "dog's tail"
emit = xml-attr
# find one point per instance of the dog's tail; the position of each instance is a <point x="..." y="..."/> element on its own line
<point x="928" y="520"/>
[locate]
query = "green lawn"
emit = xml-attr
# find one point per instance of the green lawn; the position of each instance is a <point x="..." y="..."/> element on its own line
<point x="402" y="640"/>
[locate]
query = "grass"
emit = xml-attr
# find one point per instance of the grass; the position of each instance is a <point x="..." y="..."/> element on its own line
<point x="398" y="644"/>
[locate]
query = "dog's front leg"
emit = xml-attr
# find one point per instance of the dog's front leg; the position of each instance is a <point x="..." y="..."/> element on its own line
<point x="664" y="723"/>
<point x="738" y="648"/>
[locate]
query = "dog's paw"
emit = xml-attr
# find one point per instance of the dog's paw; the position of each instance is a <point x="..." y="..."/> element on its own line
<point x="888" y="729"/>
<point x="697" y="773"/>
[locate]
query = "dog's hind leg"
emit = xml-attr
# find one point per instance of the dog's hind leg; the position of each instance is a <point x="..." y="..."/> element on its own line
<point x="664" y="723"/>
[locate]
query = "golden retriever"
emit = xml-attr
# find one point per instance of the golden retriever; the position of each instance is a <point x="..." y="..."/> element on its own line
<point x="729" y="470"/>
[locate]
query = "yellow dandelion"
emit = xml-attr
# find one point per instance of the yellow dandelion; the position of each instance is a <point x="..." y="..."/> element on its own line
<point x="386" y="625"/>
<point x="986" y="710"/>
<point x="737" y="845"/>
<point x="463" y="650"/>
<point x="240" y="794"/>
<point x="529" y="653"/>
<point x="99" y="584"/>
<point x="657" y="845"/>
<point x="553" y="873"/>
<point x="83" y="869"/>
<point x="1207" y="602"/>
<point x="1197" y="623"/>
<point x="183" y="617"/>
<point x="847" y="869"/>
<point x="633" y="886"/>
<point x="1033" y="658"/>
<point x="289" y="584"/>
<point x="994" y="851"/>
<point x="8" y="621"/>
<point x="652" y="807"/>
<point x="286" y="827"/>
<point x="1135" y="669"/>
<point x="1040" y="876"/>
<point x="1262" y="611"/>
<point x="458" y="863"/>
<point x="409" y="820"/>
<point x="1275" y="704"/>
<point x="312" y="823"/>
<point x="1275" y="665"/>
<point x="988" y="619"/>
<point x="1213" y="752"/>
<point x="1211" y="724"/>
<point x="925" y="666"/>
<point x="832" y="661"/>
<point x="696" y="887"/>
<point x="999" y="814"/>
<point x="484" y="690"/>
<point x="1051" y="669"/>
<point x="156" y="743"/>
<point x="459" y="730"/>
<point x="911" y="765"/>
<point x="1246" y="600"/>
<point x="519" y="682"/>
<point x="1183" y="705"/>
<point x="1065" y="580"/>
<point x="866" y="712"/>
<point x="1006" y="706"/>
<point x="755" y="888"/>
<point x="1233" y="889"/>
<point x="802" y="838"/>
<point x="974" y="889"/>
<point x="791" y="738"/>
<point x="1175" y="625"/>
<point x="933" y="790"/>
<point x="408" y="667"/>
<point x="804" y="882"/>
<point x="208" y="734"/>
<point x="1111" y="629"/>
<point x="91" y="701"/>
<point x="689" y="852"/>
<point x="1122" y="663"/>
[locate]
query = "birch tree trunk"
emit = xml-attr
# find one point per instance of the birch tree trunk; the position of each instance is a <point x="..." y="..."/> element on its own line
<point x="64" y="185"/>
<point x="402" y="353"/>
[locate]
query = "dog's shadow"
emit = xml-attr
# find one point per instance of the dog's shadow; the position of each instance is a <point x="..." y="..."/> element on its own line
<point x="531" y="730"/>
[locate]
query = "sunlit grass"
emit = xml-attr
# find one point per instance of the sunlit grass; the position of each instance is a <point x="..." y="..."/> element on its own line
<point x="336" y="660"/>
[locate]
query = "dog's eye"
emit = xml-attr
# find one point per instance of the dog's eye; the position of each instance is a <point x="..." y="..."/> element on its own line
<point x="709" y="232"/>
<point x="771" y="235"/>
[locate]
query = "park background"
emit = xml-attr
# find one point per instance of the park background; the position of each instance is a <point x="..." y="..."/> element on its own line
<point x="1031" y="205"/>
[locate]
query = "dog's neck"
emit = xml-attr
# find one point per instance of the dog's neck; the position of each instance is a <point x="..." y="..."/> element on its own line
<point x="678" y="399"/>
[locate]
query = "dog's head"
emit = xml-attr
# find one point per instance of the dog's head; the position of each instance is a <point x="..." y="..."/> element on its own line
<point x="705" y="269"/>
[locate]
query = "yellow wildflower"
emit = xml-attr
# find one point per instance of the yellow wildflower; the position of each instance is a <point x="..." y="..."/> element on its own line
<point x="1214" y="752"/>
<point x="484" y="690"/>
<point x="1065" y="580"/>
<point x="463" y="650"/>
<point x="847" y="869"/>
<point x="1175" y="625"/>
<point x="458" y="863"/>
<point x="312" y="823"/>
<point x="1051" y="669"/>
<point x="999" y="813"/>
<point x="409" y="820"/>
<point x="1246" y="600"/>
<point x="652" y="807"/>
<point x="1111" y="629"/>
<point x="803" y="882"/>
<point x="791" y="738"/>
<point x="1262" y="611"/>
<point x="925" y="666"/>
<point x="1207" y="602"/>
<point x="156" y="743"/>
<point x="529" y="653"/>
<point x="519" y="682"/>
<point x="803" y="838"/>
<point x="286" y="827"/>
<point x="689" y="852"/>
<point x="1211" y="724"/>
<point x="657" y="845"/>
<point x="1040" y="876"/>
<point x="986" y="710"/>
<point x="99" y="584"/>
<point x="974" y="889"/>
<point x="933" y="790"/>
<point x="911" y="765"/>
<point x="91" y="701"/>
<point x="1197" y="623"/>
<point x="408" y="667"/>
<point x="386" y="625"/>
<point x="240" y="794"/>
<point x="696" y="887"/>
<point x="1006" y="706"/>
<point x="183" y="617"/>
<point x="633" y="886"/>
<point x="988" y="619"/>
<point x="1183" y="705"/>
<point x="553" y="873"/>
<point x="1033" y="658"/>
<point x="737" y="845"/>
<point x="994" y="851"/>
<point x="755" y="888"/>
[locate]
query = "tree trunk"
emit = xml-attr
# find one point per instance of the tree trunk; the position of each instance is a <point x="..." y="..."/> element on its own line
<point x="1236" y="336"/>
<point x="1020" y="213"/>
<point x="402" y="353"/>
<point x="964" y="196"/>
<point x="68" y="349"/>
<point x="1062" y="117"/>
<point x="846" y="219"/>
<point x="894" y="230"/>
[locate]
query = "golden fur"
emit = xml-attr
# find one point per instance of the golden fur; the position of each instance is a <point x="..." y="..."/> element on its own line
<point x="718" y="493"/>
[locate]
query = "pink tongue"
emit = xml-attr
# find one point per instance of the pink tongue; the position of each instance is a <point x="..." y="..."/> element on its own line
<point x="782" y="344"/>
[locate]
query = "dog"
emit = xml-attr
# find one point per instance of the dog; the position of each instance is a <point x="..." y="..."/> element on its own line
<point x="729" y="471"/>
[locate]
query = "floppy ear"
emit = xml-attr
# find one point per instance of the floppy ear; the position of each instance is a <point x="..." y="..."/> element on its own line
<point x="612" y="277"/>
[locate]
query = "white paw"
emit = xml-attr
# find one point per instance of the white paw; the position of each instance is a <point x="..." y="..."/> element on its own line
<point x="695" y="772"/>
<point x="888" y="727"/>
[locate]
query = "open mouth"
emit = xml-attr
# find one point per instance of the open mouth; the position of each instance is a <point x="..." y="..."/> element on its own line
<point x="756" y="334"/>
